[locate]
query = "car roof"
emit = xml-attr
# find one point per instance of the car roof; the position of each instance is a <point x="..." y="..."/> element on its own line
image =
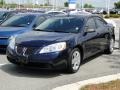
<point x="5" y="10"/>
<point x="83" y="16"/>
<point x="36" y="14"/>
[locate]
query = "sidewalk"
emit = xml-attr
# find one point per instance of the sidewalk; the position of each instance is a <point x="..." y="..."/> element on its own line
<point x="78" y="85"/>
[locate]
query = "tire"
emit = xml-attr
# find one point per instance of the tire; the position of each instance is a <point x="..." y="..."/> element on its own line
<point x="74" y="61"/>
<point x="110" y="47"/>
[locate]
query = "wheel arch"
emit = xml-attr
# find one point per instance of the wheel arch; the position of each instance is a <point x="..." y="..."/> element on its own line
<point x="81" y="50"/>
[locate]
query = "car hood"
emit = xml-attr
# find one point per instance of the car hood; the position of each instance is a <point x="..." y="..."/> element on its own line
<point x="8" y="31"/>
<point x="40" y="39"/>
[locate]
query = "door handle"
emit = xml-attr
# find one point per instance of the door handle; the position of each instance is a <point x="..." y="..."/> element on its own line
<point x="98" y="33"/>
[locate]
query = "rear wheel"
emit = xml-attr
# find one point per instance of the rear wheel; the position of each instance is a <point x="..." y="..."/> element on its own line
<point x="74" y="61"/>
<point x="110" y="47"/>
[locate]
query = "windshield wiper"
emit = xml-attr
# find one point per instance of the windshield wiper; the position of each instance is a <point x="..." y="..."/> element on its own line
<point x="37" y="29"/>
<point x="58" y="31"/>
<point x="11" y="26"/>
<point x="61" y="31"/>
<point x="44" y="30"/>
<point x="48" y="30"/>
<point x="17" y="26"/>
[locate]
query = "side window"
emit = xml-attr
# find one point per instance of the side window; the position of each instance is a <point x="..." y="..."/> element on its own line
<point x="91" y="23"/>
<point x="39" y="21"/>
<point x="99" y="22"/>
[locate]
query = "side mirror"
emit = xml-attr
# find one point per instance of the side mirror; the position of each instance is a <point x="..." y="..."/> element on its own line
<point x="34" y="25"/>
<point x="89" y="30"/>
<point x="1" y="20"/>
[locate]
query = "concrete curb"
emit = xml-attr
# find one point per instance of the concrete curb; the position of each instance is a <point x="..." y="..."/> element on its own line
<point x="78" y="85"/>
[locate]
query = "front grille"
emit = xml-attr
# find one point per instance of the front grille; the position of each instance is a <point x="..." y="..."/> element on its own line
<point x="3" y="38"/>
<point x="25" y="50"/>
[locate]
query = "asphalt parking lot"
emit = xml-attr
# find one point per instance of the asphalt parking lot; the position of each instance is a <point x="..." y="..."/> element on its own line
<point x="14" y="78"/>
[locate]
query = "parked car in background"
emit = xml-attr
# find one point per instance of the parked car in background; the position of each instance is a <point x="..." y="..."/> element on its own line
<point x="104" y="11"/>
<point x="113" y="11"/>
<point x="118" y="11"/>
<point x="62" y="42"/>
<point x="56" y="13"/>
<point x="5" y="14"/>
<point x="95" y="11"/>
<point x="78" y="12"/>
<point x="29" y="11"/>
<point x="19" y="24"/>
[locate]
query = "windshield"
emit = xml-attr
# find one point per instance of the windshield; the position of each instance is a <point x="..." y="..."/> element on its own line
<point x="19" y="21"/>
<point x="2" y="14"/>
<point x="67" y="25"/>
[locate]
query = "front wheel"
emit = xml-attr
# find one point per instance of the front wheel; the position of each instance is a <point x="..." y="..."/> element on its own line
<point x="74" y="61"/>
<point x="110" y="47"/>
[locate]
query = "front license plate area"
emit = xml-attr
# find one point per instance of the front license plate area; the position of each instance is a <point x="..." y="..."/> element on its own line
<point x="22" y="60"/>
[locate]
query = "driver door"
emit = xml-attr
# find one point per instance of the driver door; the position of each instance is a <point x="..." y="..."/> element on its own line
<point x="90" y="38"/>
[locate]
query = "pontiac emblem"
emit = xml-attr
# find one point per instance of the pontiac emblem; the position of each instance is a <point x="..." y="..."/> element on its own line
<point x="24" y="50"/>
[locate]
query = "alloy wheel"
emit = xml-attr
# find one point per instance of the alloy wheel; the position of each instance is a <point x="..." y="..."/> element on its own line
<point x="76" y="58"/>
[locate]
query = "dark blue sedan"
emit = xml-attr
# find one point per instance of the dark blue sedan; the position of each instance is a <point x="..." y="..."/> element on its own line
<point x="19" y="24"/>
<point x="62" y="42"/>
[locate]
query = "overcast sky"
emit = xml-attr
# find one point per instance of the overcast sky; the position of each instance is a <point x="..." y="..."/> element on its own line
<point x="96" y="3"/>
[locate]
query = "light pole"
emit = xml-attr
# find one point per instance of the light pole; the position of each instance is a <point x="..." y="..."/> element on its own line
<point x="43" y="3"/>
<point x="108" y="7"/>
<point x="81" y="4"/>
<point x="2" y="3"/>
<point x="33" y="4"/>
<point x="48" y="2"/>
<point x="54" y="4"/>
<point x="106" y="4"/>
<point x="19" y="4"/>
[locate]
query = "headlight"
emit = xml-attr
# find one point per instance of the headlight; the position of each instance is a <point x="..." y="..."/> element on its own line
<point x="12" y="42"/>
<point x="54" y="47"/>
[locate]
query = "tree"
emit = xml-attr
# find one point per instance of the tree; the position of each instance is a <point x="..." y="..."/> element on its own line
<point x="2" y="2"/>
<point x="88" y="6"/>
<point x="29" y="2"/>
<point x="47" y="2"/>
<point x="117" y="5"/>
<point x="66" y="4"/>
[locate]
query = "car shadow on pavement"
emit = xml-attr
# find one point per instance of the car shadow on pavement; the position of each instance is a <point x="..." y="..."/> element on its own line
<point x="44" y="73"/>
<point x="38" y="73"/>
<point x="2" y="52"/>
<point x="91" y="58"/>
<point x="29" y="72"/>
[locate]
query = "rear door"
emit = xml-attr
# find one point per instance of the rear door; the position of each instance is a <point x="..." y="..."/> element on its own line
<point x="102" y="31"/>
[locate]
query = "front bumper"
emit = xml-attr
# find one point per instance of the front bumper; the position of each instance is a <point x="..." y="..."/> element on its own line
<point x="52" y="60"/>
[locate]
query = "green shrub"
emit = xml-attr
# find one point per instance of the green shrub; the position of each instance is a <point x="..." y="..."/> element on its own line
<point x="107" y="16"/>
<point x="112" y="16"/>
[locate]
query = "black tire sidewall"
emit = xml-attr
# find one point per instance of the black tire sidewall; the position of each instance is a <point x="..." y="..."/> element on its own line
<point x="109" y="45"/>
<point x="108" y="50"/>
